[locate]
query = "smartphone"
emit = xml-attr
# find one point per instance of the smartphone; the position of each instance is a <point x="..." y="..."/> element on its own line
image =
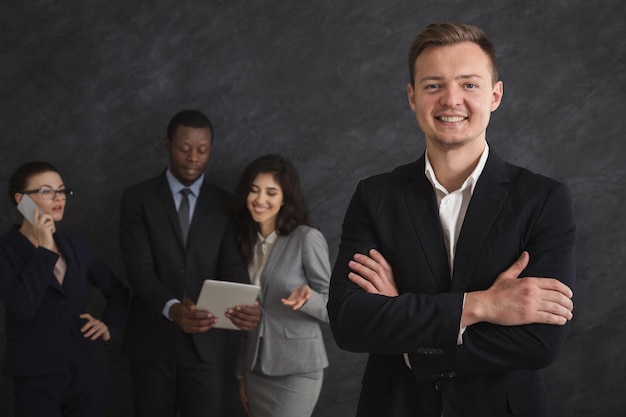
<point x="27" y="207"/>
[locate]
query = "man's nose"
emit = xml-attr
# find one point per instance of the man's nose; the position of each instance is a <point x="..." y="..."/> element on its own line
<point x="451" y="97"/>
<point x="192" y="155"/>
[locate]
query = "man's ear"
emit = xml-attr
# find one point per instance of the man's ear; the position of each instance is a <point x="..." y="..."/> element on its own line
<point x="410" y="93"/>
<point x="496" y="96"/>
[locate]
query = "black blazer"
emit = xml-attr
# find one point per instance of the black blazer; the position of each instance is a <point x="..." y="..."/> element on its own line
<point x="160" y="268"/>
<point x="42" y="317"/>
<point x="495" y="370"/>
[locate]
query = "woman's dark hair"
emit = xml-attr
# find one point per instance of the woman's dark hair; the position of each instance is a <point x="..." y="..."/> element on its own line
<point x="292" y="213"/>
<point x="19" y="179"/>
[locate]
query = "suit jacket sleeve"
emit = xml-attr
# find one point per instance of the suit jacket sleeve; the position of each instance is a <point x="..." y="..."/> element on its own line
<point x="138" y="255"/>
<point x="114" y="292"/>
<point x="23" y="289"/>
<point x="316" y="264"/>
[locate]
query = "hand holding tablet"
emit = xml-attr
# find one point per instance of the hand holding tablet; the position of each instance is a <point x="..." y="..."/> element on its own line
<point x="219" y="296"/>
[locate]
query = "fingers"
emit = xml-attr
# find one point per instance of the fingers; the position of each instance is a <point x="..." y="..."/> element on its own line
<point x="94" y="328"/>
<point x="555" y="285"/>
<point x="364" y="284"/>
<point x="379" y="258"/>
<point x="298" y="297"/>
<point x="243" y="395"/>
<point x="373" y="274"/>
<point x="191" y="320"/>
<point x="296" y="303"/>
<point x="188" y="304"/>
<point x="198" y="325"/>
<point x="245" y="317"/>
<point x="556" y="300"/>
<point x="518" y="266"/>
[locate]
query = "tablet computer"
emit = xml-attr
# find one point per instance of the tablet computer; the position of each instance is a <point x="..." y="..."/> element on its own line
<point x="218" y="296"/>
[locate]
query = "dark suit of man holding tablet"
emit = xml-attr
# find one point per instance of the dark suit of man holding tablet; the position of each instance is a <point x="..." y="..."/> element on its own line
<point x="176" y="232"/>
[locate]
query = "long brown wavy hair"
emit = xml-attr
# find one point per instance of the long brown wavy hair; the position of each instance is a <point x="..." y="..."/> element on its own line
<point x="292" y="213"/>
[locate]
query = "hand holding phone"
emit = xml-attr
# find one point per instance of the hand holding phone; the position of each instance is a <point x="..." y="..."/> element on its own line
<point x="45" y="228"/>
<point x="27" y="207"/>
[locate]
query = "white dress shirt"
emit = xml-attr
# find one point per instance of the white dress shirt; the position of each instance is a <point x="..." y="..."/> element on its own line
<point x="452" y="208"/>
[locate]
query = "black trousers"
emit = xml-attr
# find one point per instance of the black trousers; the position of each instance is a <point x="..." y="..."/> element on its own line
<point x="184" y="384"/>
<point x="77" y="392"/>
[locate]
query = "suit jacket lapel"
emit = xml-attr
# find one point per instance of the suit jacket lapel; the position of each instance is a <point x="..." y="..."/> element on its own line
<point x="487" y="201"/>
<point x="422" y="206"/>
<point x="275" y="255"/>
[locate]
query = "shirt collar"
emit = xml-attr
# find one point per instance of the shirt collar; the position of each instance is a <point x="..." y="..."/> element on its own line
<point x="469" y="182"/>
<point x="270" y="239"/>
<point x="176" y="185"/>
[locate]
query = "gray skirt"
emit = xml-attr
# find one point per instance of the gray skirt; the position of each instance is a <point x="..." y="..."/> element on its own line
<point x="283" y="396"/>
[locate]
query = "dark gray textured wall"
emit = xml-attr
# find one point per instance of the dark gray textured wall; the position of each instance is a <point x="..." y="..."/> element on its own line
<point x="90" y="86"/>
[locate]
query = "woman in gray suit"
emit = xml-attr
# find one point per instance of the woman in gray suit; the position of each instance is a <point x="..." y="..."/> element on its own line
<point x="281" y="362"/>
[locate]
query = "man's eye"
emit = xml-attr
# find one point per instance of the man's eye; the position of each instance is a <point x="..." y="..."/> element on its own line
<point x="432" y="86"/>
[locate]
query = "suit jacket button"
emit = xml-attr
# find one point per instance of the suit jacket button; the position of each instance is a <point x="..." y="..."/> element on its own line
<point x="438" y="385"/>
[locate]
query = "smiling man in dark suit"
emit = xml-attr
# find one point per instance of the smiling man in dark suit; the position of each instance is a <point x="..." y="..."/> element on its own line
<point x="454" y="272"/>
<point x="177" y="357"/>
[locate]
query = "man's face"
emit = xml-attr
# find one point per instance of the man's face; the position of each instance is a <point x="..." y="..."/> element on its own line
<point x="454" y="94"/>
<point x="189" y="153"/>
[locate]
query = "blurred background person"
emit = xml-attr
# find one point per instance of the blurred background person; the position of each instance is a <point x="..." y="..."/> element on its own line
<point x="280" y="369"/>
<point x="176" y="231"/>
<point x="55" y="349"/>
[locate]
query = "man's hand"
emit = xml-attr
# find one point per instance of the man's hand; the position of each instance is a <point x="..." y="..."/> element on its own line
<point x="297" y="298"/>
<point x="243" y="395"/>
<point x="513" y="301"/>
<point x="245" y="317"/>
<point x="191" y="320"/>
<point x="373" y="274"/>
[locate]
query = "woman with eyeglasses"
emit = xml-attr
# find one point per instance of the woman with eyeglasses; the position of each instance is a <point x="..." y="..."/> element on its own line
<point x="55" y="348"/>
<point x="282" y="361"/>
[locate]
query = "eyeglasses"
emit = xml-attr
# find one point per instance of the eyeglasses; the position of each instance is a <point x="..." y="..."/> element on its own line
<point x="49" y="193"/>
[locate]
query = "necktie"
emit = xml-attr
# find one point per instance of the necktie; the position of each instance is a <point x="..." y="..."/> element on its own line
<point x="183" y="213"/>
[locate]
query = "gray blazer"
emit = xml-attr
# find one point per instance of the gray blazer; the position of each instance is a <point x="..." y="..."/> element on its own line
<point x="292" y="340"/>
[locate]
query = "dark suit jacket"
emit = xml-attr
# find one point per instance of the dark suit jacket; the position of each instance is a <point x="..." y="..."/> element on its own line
<point x="42" y="317"/>
<point x="160" y="268"/>
<point x="495" y="371"/>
